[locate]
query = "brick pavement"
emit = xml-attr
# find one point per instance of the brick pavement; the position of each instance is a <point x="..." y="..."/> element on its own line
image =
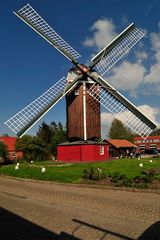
<point x="74" y="212"/>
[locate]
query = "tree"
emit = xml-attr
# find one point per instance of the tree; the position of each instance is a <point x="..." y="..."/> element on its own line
<point x="119" y="131"/>
<point x="59" y="137"/>
<point x="3" y="150"/>
<point x="33" y="148"/>
<point x="54" y="127"/>
<point x="59" y="126"/>
<point x="156" y="132"/>
<point x="45" y="132"/>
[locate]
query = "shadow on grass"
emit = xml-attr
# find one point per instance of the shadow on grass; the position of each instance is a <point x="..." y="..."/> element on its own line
<point x="15" y="227"/>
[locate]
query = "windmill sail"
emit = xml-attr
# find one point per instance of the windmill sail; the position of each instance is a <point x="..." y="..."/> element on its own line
<point x="21" y="122"/>
<point x="121" y="108"/>
<point x="100" y="90"/>
<point x="39" y="25"/>
<point x="114" y="51"/>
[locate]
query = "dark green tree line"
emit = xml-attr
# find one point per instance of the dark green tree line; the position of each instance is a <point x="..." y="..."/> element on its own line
<point x="3" y="150"/>
<point x="44" y="144"/>
<point x="119" y="131"/>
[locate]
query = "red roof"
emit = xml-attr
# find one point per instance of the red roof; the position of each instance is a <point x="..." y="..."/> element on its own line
<point x="9" y="141"/>
<point x="149" y="137"/>
<point x="119" y="143"/>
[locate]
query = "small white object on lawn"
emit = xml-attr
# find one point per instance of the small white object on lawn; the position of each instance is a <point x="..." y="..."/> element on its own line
<point x="141" y="165"/>
<point x="43" y="169"/>
<point x="16" y="167"/>
<point x="31" y="161"/>
<point x="18" y="164"/>
<point x="150" y="160"/>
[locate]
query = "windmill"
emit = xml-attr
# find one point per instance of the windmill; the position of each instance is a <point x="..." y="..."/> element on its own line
<point x="85" y="90"/>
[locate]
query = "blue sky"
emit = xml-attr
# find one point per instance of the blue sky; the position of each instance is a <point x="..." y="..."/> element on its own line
<point x="29" y="65"/>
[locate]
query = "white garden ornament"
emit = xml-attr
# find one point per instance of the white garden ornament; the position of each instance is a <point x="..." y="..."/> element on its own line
<point x="43" y="169"/>
<point x="141" y="165"/>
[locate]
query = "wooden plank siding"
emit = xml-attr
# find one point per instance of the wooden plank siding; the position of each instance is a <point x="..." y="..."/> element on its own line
<point x="75" y="125"/>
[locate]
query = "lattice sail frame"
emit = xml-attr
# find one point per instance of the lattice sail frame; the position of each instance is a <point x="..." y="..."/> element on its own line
<point x="45" y="102"/>
<point x="121" y="111"/>
<point x="114" y="51"/>
<point x="38" y="24"/>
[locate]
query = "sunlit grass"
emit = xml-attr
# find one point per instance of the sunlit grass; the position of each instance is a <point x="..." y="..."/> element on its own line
<point x="72" y="173"/>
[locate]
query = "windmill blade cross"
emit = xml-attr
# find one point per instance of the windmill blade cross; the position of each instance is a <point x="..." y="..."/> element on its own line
<point x="39" y="25"/>
<point x="121" y="108"/>
<point x="115" y="50"/>
<point x="21" y="122"/>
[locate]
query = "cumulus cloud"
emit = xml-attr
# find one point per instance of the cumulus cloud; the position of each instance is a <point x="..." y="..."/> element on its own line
<point x="103" y="33"/>
<point x="106" y="121"/>
<point x="149" y="111"/>
<point x="107" y="118"/>
<point x="155" y="41"/>
<point x="127" y="76"/>
<point x="141" y="55"/>
<point x="153" y="76"/>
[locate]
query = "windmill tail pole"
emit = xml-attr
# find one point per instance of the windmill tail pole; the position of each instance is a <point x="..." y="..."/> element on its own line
<point x="84" y="111"/>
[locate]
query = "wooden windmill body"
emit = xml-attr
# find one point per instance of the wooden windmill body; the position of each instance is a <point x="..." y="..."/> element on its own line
<point x="83" y="111"/>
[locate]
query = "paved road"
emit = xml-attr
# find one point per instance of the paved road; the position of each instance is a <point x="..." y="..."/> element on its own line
<point x="36" y="210"/>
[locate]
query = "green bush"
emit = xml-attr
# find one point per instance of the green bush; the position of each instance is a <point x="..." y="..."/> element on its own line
<point x="93" y="174"/>
<point x="116" y="176"/>
<point x="149" y="175"/>
<point x="138" y="181"/>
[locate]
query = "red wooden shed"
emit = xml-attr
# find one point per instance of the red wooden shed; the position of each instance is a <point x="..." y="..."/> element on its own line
<point x="82" y="151"/>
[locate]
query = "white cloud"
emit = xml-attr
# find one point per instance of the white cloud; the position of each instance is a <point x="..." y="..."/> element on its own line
<point x="127" y="76"/>
<point x="106" y="121"/>
<point x="157" y="56"/>
<point x="153" y="77"/>
<point x="103" y="33"/>
<point x="141" y="55"/>
<point x="149" y="111"/>
<point x="107" y="118"/>
<point x="155" y="41"/>
<point x="154" y="74"/>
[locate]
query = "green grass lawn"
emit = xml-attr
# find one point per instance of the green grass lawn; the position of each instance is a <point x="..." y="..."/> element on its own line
<point x="72" y="173"/>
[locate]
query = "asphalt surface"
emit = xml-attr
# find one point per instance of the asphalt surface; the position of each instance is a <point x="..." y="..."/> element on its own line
<point x="36" y="210"/>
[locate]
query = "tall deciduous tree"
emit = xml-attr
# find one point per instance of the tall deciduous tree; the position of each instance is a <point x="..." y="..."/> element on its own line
<point x="59" y="137"/>
<point x="119" y="131"/>
<point x="45" y="133"/>
<point x="52" y="134"/>
<point x="33" y="147"/>
<point x="3" y="150"/>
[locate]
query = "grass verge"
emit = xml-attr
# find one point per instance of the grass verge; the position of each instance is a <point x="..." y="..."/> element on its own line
<point x="72" y="173"/>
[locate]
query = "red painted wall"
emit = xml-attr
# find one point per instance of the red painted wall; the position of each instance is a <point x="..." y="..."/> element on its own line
<point x="10" y="142"/>
<point x="82" y="153"/>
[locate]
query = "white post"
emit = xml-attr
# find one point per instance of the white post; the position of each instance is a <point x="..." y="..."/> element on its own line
<point x="84" y="111"/>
